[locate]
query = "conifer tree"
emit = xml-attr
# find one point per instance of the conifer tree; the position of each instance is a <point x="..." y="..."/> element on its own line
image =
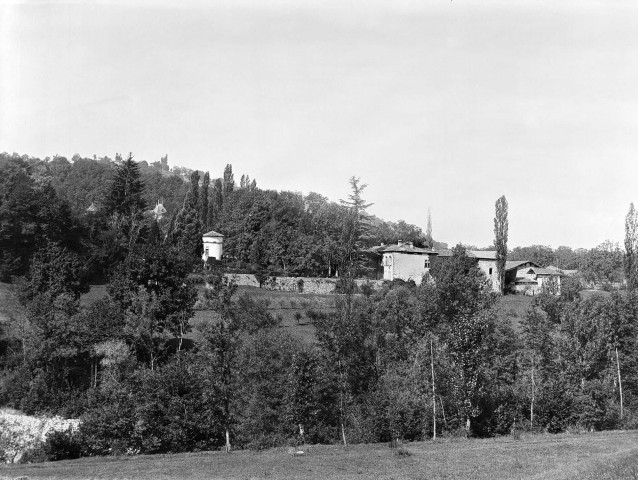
<point x="215" y="203"/>
<point x="203" y="202"/>
<point x="125" y="197"/>
<point x="355" y="228"/>
<point x="187" y="233"/>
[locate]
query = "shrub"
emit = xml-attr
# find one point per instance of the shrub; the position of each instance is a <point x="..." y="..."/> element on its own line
<point x="62" y="445"/>
<point x="403" y="452"/>
<point x="34" y="454"/>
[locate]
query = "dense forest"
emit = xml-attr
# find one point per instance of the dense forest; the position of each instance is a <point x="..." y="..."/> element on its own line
<point x="402" y="362"/>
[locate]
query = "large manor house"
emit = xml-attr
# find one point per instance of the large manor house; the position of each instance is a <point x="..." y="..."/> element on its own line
<point x="406" y="262"/>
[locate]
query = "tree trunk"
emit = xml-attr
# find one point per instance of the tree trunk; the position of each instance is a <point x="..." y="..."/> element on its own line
<point x="227" y="441"/>
<point x="343" y="434"/>
<point x="531" y="408"/>
<point x="443" y="410"/>
<point x="341" y="413"/>
<point x="181" y="332"/>
<point x="433" y="392"/>
<point x="619" y="384"/>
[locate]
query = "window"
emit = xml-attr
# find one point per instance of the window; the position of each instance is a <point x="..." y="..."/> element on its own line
<point x="427" y="263"/>
<point x="206" y="251"/>
<point x="490" y="271"/>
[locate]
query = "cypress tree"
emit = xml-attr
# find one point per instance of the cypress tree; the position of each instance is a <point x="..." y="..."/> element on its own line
<point x="203" y="202"/>
<point x="187" y="233"/>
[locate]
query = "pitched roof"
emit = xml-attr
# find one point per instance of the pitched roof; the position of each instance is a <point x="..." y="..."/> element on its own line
<point x="512" y="264"/>
<point x="406" y="248"/>
<point x="546" y="271"/>
<point x="482" y="254"/>
<point x="213" y="234"/>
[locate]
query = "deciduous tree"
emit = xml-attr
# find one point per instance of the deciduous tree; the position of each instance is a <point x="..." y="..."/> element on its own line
<point x="631" y="248"/>
<point x="501" y="225"/>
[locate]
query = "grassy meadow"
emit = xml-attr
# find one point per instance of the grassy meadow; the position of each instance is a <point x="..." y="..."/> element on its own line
<point x="604" y="455"/>
<point x="292" y="307"/>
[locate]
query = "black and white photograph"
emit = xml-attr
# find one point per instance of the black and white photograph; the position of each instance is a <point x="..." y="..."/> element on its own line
<point x="319" y="239"/>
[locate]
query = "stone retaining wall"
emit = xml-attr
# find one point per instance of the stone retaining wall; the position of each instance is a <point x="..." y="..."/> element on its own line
<point x="322" y="286"/>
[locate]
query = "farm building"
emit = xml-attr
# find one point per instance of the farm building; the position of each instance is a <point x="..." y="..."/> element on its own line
<point x="529" y="278"/>
<point x="404" y="261"/>
<point x="486" y="262"/>
<point x="213" y="246"/>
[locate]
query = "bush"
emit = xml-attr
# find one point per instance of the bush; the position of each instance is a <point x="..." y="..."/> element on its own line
<point x="34" y="454"/>
<point x="62" y="445"/>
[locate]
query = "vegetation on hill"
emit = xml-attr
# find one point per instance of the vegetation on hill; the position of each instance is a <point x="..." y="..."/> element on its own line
<point x="403" y="362"/>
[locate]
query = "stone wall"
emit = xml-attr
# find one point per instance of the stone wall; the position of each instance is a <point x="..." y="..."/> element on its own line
<point x="322" y="286"/>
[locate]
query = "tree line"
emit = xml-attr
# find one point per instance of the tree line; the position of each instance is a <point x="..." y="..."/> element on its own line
<point x="403" y="362"/>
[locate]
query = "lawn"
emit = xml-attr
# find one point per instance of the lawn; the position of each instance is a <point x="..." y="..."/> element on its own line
<point x="286" y="306"/>
<point x="607" y="455"/>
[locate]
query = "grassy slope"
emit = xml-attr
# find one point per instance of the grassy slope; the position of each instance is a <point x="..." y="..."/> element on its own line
<point x="611" y="455"/>
<point x="287" y="305"/>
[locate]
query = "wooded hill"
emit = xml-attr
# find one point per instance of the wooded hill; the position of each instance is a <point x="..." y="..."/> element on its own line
<point x="275" y="232"/>
<point x="280" y="232"/>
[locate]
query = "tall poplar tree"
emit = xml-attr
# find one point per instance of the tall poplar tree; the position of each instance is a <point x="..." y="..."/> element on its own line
<point x="229" y="180"/>
<point x="203" y="202"/>
<point x="215" y="203"/>
<point x="428" y="231"/>
<point x="501" y="225"/>
<point x="631" y="248"/>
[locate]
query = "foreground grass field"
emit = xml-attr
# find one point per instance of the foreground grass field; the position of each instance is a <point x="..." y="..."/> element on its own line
<point x="605" y="455"/>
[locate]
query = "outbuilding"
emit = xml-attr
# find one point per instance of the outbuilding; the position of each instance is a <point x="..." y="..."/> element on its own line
<point x="213" y="246"/>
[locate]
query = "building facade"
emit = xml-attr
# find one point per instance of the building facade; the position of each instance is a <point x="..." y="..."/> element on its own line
<point x="404" y="261"/>
<point x="529" y="278"/>
<point x="213" y="246"/>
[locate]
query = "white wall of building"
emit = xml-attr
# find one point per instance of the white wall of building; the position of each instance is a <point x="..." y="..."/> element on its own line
<point x="213" y="247"/>
<point x="488" y="267"/>
<point x="405" y="266"/>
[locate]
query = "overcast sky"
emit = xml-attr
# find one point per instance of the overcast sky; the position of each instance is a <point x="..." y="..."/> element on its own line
<point x="438" y="104"/>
